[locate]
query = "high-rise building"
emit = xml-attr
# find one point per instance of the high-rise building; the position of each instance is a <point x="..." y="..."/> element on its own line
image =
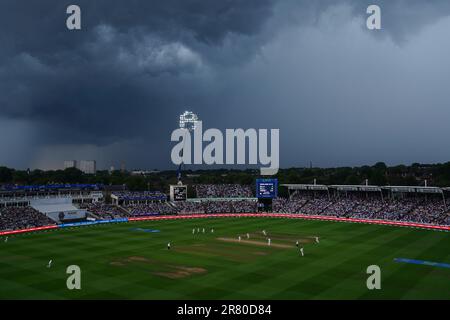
<point x="70" y="164"/>
<point x="88" y="166"/>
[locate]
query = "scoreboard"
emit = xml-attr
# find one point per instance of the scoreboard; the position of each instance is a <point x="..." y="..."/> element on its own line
<point x="266" y="188"/>
<point x="178" y="193"/>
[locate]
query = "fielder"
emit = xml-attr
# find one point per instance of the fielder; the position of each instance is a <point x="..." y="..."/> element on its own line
<point x="6" y="239"/>
<point x="248" y="236"/>
<point x="269" y="241"/>
<point x="168" y="246"/>
<point x="239" y="238"/>
<point x="317" y="239"/>
<point x="296" y="243"/>
<point x="49" y="264"/>
<point x="301" y="252"/>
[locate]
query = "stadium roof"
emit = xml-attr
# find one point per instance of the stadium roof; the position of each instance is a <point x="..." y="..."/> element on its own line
<point x="419" y="189"/>
<point x="356" y="188"/>
<point x="221" y="199"/>
<point x="367" y="188"/>
<point x="306" y="186"/>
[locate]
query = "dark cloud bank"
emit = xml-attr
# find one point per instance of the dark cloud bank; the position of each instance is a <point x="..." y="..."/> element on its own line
<point x="340" y="94"/>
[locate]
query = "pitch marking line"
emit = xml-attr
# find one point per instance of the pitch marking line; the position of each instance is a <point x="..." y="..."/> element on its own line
<point x="422" y="262"/>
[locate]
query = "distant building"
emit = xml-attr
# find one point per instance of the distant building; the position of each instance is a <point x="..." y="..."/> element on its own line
<point x="70" y="164"/>
<point x="86" y="166"/>
<point x="143" y="172"/>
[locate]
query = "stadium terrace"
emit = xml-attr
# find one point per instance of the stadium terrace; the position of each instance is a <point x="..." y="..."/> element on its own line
<point x="29" y="207"/>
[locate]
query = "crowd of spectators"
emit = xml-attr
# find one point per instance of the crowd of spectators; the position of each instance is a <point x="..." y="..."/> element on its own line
<point x="282" y="205"/>
<point x="104" y="211"/>
<point x="407" y="209"/>
<point x="151" y="208"/>
<point x="316" y="206"/>
<point x="414" y="209"/>
<point x="235" y="206"/>
<point x="223" y="191"/>
<point x="188" y="207"/>
<point x="15" y="218"/>
<point x="139" y="195"/>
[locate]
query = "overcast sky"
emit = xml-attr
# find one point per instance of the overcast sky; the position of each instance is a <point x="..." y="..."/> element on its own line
<point x="340" y="94"/>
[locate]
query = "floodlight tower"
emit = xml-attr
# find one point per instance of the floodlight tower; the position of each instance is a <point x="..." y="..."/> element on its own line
<point x="188" y="121"/>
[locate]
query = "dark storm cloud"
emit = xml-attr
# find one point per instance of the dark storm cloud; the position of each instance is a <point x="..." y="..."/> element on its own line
<point x="135" y="65"/>
<point x="128" y="61"/>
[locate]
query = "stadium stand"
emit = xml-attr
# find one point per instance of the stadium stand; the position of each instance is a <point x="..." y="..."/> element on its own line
<point x="152" y="208"/>
<point x="223" y="191"/>
<point x="127" y="197"/>
<point x="188" y="207"/>
<point x="209" y="206"/>
<point x="406" y="204"/>
<point x="16" y="218"/>
<point x="105" y="211"/>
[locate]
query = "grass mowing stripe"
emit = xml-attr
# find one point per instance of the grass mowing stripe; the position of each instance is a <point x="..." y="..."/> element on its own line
<point x="329" y="270"/>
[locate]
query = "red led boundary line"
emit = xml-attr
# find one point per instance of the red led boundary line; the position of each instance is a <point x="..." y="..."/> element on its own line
<point x="259" y="215"/>
<point x="296" y="216"/>
<point x="5" y="233"/>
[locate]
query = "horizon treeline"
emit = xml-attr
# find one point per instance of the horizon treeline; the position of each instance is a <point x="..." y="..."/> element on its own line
<point x="378" y="174"/>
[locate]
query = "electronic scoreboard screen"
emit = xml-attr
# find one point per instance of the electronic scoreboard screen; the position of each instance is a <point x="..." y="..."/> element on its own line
<point x="178" y="193"/>
<point x="266" y="188"/>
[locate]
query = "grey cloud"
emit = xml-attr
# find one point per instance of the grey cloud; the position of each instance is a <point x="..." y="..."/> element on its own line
<point x="137" y="64"/>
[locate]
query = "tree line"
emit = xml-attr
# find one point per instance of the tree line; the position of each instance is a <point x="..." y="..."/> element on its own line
<point x="378" y="174"/>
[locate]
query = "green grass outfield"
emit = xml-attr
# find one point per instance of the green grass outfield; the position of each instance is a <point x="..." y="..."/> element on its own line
<point x="118" y="262"/>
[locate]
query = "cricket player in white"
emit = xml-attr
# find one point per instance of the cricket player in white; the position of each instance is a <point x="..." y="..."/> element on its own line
<point x="168" y="246"/>
<point x="301" y="252"/>
<point x="269" y="241"/>
<point x="264" y="232"/>
<point x="248" y="236"/>
<point x="49" y="264"/>
<point x="296" y="243"/>
<point x="193" y="231"/>
<point x="212" y="230"/>
<point x="6" y="239"/>
<point x="239" y="238"/>
<point x="317" y="239"/>
<point x="203" y="230"/>
<point x="198" y="230"/>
